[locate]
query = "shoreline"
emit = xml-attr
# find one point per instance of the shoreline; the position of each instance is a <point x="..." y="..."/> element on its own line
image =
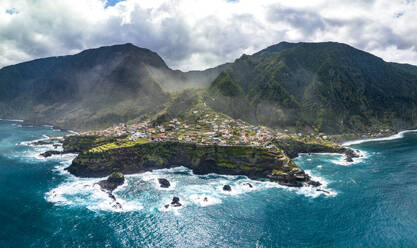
<point x="12" y="120"/>
<point x="28" y="124"/>
<point x="397" y="135"/>
<point x="344" y="143"/>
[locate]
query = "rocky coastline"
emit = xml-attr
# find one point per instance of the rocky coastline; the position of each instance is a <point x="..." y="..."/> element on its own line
<point x="110" y="184"/>
<point x="254" y="162"/>
<point x="294" y="147"/>
<point x="275" y="165"/>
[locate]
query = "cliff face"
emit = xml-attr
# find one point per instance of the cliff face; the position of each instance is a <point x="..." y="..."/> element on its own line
<point x="256" y="163"/>
<point x="294" y="147"/>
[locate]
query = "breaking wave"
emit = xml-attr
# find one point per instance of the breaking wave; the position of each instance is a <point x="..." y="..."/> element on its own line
<point x="399" y="135"/>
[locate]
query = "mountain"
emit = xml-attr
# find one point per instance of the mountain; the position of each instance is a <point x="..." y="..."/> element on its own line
<point x="323" y="87"/>
<point x="407" y="67"/>
<point x="93" y="89"/>
<point x="329" y="87"/>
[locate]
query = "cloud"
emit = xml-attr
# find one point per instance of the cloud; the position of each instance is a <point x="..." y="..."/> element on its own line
<point x="196" y="34"/>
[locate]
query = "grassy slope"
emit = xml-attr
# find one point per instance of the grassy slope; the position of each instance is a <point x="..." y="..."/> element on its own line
<point x="327" y="87"/>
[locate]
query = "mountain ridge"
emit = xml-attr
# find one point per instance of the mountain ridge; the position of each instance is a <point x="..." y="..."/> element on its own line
<point x="327" y="86"/>
<point x="91" y="89"/>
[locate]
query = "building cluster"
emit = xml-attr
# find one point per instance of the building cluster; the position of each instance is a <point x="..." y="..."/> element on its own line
<point x="204" y="127"/>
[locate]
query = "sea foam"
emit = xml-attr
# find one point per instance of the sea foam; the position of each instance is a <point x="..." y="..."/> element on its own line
<point x="87" y="193"/>
<point x="399" y="135"/>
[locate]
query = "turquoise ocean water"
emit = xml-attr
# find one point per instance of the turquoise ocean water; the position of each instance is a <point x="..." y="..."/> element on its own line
<point x="372" y="202"/>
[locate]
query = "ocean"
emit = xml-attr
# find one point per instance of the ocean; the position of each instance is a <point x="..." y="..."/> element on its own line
<point x="372" y="202"/>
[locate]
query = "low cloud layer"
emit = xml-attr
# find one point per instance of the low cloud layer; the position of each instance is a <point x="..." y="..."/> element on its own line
<point x="196" y="34"/>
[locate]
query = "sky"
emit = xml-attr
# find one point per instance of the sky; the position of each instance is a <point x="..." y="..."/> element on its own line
<point x="198" y="34"/>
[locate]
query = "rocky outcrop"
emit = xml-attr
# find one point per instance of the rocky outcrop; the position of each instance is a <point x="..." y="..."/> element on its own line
<point x="163" y="183"/>
<point x="227" y="188"/>
<point x="249" y="185"/>
<point x="50" y="153"/>
<point x="254" y="162"/>
<point x="175" y="202"/>
<point x="350" y="155"/>
<point x="295" y="179"/>
<point x="112" y="182"/>
<point x="293" y="147"/>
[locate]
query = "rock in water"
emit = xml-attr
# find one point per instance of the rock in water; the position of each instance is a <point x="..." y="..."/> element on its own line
<point x="350" y="154"/>
<point x="50" y="153"/>
<point x="250" y="185"/>
<point x="117" y="206"/>
<point x="163" y="183"/>
<point x="227" y="188"/>
<point x="112" y="182"/>
<point x="325" y="191"/>
<point x="314" y="183"/>
<point x="176" y="202"/>
<point x="349" y="159"/>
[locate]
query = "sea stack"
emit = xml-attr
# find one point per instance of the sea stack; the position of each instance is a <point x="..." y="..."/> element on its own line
<point x="112" y="182"/>
<point x="227" y="188"/>
<point x="164" y="183"/>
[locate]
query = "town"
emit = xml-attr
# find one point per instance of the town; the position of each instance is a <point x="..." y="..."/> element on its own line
<point x="202" y="126"/>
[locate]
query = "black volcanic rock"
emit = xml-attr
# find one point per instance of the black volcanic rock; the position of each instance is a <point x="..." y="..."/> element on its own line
<point x="174" y="203"/>
<point x="350" y="154"/>
<point x="163" y="183"/>
<point x="50" y="153"/>
<point x="42" y="142"/>
<point x="314" y="183"/>
<point x="293" y="179"/>
<point x="322" y="190"/>
<point x="227" y="188"/>
<point x="112" y="182"/>
<point x="250" y="185"/>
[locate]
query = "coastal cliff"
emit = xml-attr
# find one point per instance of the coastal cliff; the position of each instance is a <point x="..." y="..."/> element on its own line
<point x="255" y="162"/>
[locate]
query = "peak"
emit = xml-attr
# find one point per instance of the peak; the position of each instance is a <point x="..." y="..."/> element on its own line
<point x="284" y="45"/>
<point x="120" y="47"/>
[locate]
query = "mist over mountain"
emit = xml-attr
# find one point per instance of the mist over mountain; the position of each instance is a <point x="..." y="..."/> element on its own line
<point x="328" y="86"/>
<point x="92" y="89"/>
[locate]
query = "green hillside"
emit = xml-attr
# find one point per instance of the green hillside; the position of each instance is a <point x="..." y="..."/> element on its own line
<point x="93" y="89"/>
<point x="330" y="87"/>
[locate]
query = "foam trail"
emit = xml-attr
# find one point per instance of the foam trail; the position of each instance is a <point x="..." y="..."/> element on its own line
<point x="399" y="135"/>
<point x="29" y="142"/>
<point x="204" y="200"/>
<point x="87" y="193"/>
<point x="193" y="190"/>
<point x="13" y="120"/>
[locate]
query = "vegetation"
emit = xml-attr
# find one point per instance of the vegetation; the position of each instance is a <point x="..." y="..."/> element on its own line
<point x="243" y="160"/>
<point x="116" y="175"/>
<point x="116" y="145"/>
<point x="320" y="87"/>
<point x="311" y="87"/>
<point x="93" y="89"/>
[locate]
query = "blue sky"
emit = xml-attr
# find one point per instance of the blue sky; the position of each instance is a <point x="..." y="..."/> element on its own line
<point x="112" y="2"/>
<point x="197" y="34"/>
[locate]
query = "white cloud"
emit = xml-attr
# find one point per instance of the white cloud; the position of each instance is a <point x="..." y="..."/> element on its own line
<point x="195" y="34"/>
